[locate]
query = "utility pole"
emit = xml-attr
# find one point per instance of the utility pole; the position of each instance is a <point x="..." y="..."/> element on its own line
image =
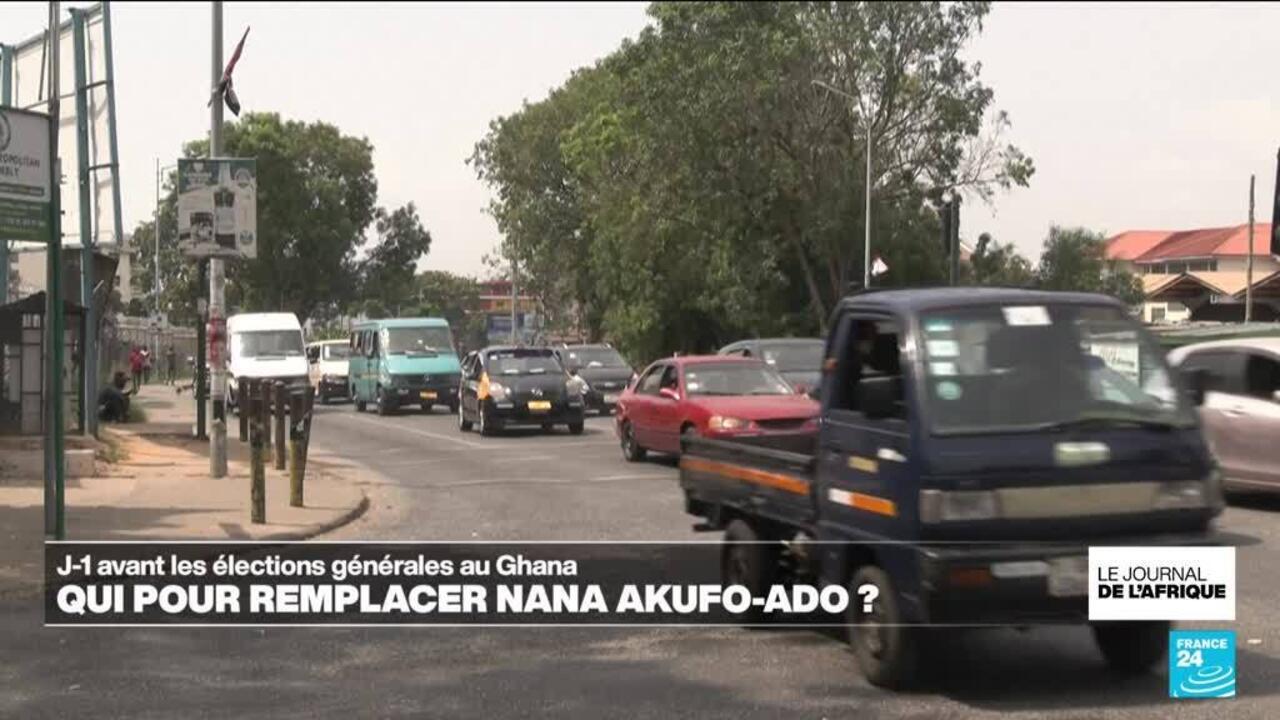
<point x="866" y="240"/>
<point x="1248" y="268"/>
<point x="514" y="330"/>
<point x="217" y="279"/>
<point x="54" y="462"/>
<point x="156" y="231"/>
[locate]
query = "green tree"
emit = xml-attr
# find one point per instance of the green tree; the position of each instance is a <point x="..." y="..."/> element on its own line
<point x="179" y="275"/>
<point x="455" y="298"/>
<point x="994" y="264"/>
<point x="699" y="185"/>
<point x="1076" y="259"/>
<point x="387" y="272"/>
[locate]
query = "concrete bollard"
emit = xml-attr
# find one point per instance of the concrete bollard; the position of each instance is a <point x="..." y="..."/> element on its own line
<point x="278" y="410"/>
<point x="257" y="453"/>
<point x="242" y="404"/>
<point x="297" y="403"/>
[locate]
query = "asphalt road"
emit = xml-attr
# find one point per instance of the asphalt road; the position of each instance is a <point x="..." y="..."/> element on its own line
<point x="439" y="484"/>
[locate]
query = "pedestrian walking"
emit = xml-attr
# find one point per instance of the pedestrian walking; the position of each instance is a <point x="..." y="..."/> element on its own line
<point x="136" y="365"/>
<point x="170" y="365"/>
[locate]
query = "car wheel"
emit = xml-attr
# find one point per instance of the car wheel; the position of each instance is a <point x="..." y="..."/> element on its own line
<point x="575" y="428"/>
<point x="324" y="399"/>
<point x="631" y="449"/>
<point x="463" y="423"/>
<point x="1132" y="647"/>
<point x="360" y="405"/>
<point x="746" y="561"/>
<point x="383" y="405"/>
<point x="886" y="651"/>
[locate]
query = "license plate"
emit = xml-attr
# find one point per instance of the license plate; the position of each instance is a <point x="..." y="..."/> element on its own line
<point x="427" y="395"/>
<point x="539" y="405"/>
<point x="1069" y="576"/>
<point x="611" y="399"/>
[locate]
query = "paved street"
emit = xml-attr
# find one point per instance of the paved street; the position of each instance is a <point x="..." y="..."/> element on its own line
<point x="438" y="483"/>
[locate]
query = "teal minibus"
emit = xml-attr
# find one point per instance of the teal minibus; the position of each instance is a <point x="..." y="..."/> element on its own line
<point x="403" y="361"/>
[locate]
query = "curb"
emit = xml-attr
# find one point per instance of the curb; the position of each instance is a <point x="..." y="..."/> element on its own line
<point x="21" y="591"/>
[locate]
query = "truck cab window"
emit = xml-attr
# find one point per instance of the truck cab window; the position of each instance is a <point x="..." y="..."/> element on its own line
<point x="870" y="364"/>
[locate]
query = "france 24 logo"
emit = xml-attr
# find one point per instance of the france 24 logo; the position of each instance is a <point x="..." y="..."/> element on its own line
<point x="1202" y="663"/>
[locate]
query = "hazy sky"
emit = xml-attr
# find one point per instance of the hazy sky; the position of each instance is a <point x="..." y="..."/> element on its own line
<point x="1137" y="116"/>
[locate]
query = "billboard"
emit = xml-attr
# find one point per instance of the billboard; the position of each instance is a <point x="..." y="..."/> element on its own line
<point x="30" y="91"/>
<point x="24" y="176"/>
<point x="218" y="207"/>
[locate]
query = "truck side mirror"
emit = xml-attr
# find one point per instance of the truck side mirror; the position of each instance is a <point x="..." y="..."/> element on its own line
<point x="1197" y="384"/>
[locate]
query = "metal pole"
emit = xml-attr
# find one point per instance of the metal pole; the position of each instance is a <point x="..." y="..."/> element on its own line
<point x="155" y="230"/>
<point x="110" y="79"/>
<point x="202" y="373"/>
<point x="217" y="280"/>
<point x="1248" y="272"/>
<point x="89" y="352"/>
<point x="54" y="498"/>
<point x="954" y="241"/>
<point x="514" y="331"/>
<point x="6" y="98"/>
<point x="866" y="242"/>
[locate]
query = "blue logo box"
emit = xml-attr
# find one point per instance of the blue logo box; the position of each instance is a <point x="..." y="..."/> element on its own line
<point x="1202" y="663"/>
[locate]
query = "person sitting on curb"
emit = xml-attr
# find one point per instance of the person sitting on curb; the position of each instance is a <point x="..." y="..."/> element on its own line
<point x="113" y="400"/>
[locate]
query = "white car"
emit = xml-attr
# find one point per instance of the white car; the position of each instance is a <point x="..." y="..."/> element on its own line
<point x="329" y="361"/>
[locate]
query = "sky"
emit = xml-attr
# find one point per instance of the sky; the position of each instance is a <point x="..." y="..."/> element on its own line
<point x="1137" y="116"/>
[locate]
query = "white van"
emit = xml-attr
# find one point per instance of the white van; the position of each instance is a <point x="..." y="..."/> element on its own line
<point x="265" y="345"/>
<point x="328" y="360"/>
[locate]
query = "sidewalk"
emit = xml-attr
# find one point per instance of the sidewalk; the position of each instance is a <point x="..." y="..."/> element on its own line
<point x="159" y="488"/>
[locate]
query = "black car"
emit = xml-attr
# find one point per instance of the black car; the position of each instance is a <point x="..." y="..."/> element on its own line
<point x="798" y="360"/>
<point x="605" y="374"/>
<point x="505" y="386"/>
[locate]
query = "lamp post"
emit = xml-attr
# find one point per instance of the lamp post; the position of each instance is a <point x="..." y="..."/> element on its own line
<point x="866" y="242"/>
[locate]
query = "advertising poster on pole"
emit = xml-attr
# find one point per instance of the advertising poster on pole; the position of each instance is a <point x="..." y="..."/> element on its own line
<point x="218" y="207"/>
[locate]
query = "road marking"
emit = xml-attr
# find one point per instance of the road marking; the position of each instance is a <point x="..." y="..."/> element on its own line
<point x="423" y="433"/>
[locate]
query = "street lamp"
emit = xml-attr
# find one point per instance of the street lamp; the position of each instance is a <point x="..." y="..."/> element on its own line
<point x="866" y="244"/>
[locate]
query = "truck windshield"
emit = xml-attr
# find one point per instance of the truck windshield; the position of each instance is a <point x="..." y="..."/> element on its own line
<point x="417" y="341"/>
<point x="265" y="343"/>
<point x="734" y="379"/>
<point x="793" y="356"/>
<point x="593" y="357"/>
<point x="1029" y="367"/>
<point x="523" y="362"/>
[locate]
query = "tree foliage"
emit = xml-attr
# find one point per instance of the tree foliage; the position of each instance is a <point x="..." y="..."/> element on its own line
<point x="455" y="298"/>
<point x="705" y="181"/>
<point x="387" y="271"/>
<point x="1076" y="259"/>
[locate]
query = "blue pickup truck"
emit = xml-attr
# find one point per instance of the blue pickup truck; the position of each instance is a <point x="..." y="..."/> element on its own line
<point x="973" y="443"/>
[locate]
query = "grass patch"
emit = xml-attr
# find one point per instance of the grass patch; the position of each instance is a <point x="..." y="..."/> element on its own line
<point x="110" y="449"/>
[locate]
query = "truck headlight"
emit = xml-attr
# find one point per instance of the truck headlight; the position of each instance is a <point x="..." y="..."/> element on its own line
<point x="1182" y="495"/>
<point x="721" y="422"/>
<point x="497" y="391"/>
<point x="958" y="505"/>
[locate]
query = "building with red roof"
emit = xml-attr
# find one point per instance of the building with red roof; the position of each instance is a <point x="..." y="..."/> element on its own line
<point x="1200" y="274"/>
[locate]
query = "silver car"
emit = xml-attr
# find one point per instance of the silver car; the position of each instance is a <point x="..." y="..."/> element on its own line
<point x="1241" y="411"/>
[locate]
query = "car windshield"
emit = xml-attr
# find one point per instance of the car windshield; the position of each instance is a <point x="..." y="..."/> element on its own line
<point x="1010" y="368"/>
<point x="265" y="343"/>
<point x="593" y="357"/>
<point x="734" y="379"/>
<point x="523" y="362"/>
<point x="417" y="340"/>
<point x="793" y="356"/>
<point x="336" y="352"/>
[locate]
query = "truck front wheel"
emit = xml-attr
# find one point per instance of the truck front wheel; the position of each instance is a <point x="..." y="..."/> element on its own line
<point x="746" y="561"/>
<point x="886" y="651"/>
<point x="1132" y="647"/>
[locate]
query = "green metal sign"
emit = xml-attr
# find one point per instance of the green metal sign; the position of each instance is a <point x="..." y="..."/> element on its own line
<point x="24" y="175"/>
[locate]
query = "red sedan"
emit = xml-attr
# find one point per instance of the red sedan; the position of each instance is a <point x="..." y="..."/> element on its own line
<point x="713" y="396"/>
